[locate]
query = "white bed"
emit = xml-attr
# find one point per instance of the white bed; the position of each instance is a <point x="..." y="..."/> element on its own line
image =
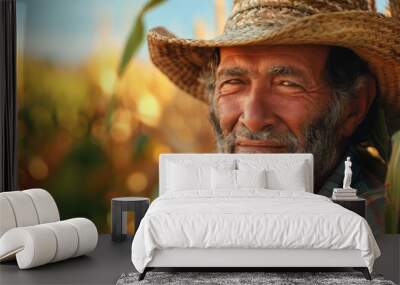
<point x="248" y="226"/>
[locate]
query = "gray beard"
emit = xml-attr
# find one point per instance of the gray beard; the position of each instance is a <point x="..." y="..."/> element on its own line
<point x="320" y="139"/>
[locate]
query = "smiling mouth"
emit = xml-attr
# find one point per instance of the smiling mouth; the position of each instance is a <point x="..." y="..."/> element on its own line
<point x="257" y="143"/>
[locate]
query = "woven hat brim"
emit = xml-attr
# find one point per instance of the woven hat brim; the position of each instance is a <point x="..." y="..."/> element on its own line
<point x="374" y="37"/>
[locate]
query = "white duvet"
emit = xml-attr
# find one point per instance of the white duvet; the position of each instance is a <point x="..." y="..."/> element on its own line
<point x="253" y="218"/>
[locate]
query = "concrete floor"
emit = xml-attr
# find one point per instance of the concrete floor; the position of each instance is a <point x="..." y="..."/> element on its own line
<point x="102" y="266"/>
<point x="110" y="259"/>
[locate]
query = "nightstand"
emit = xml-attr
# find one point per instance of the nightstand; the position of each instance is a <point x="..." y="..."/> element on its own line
<point x="358" y="205"/>
<point x="119" y="208"/>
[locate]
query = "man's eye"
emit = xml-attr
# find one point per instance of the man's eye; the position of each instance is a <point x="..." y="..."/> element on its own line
<point x="230" y="86"/>
<point x="289" y="84"/>
<point x="232" y="81"/>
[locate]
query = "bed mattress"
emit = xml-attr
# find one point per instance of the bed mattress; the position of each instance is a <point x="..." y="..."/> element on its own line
<point x="250" y="219"/>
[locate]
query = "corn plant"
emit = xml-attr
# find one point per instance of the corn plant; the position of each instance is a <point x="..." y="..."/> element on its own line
<point x="394" y="8"/>
<point x="136" y="35"/>
<point x="392" y="206"/>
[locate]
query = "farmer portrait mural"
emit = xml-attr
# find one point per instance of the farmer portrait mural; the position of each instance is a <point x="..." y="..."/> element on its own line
<point x="288" y="76"/>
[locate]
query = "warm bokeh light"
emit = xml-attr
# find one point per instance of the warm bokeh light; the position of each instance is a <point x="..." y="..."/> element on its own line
<point x="373" y="151"/>
<point x="120" y="131"/>
<point x="107" y="80"/>
<point x="38" y="168"/>
<point x="159" y="149"/>
<point x="137" y="182"/>
<point x="149" y="109"/>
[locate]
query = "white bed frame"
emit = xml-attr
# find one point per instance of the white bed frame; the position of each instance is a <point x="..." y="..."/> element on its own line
<point x="246" y="257"/>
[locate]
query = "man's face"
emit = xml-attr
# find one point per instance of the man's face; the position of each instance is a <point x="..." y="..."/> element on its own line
<point x="273" y="99"/>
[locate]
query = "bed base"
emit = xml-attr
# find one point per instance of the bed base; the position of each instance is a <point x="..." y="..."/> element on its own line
<point x="250" y="259"/>
<point x="363" y="270"/>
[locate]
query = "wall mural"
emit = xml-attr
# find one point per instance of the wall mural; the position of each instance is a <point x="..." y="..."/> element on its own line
<point x="95" y="113"/>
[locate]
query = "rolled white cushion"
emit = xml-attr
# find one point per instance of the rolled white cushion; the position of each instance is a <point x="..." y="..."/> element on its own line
<point x="33" y="246"/>
<point x="7" y="218"/>
<point x="87" y="235"/>
<point x="40" y="244"/>
<point x="45" y="205"/>
<point x="67" y="240"/>
<point x="26" y="208"/>
<point x="23" y="208"/>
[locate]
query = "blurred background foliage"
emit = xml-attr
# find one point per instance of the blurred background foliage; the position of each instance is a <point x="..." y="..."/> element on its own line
<point x="87" y="135"/>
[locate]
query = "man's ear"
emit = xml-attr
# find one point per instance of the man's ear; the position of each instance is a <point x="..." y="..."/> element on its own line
<point x="357" y="108"/>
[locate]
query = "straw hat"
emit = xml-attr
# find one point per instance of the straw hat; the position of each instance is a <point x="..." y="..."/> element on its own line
<point x="352" y="24"/>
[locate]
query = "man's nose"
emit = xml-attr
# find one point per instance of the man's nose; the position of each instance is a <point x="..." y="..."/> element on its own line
<point x="258" y="110"/>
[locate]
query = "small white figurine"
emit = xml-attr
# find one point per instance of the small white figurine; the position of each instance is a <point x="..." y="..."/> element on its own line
<point x="347" y="174"/>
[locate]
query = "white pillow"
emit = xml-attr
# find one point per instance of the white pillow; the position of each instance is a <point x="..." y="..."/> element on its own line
<point x="292" y="178"/>
<point x="226" y="179"/>
<point x="281" y="174"/>
<point x="251" y="178"/>
<point x="223" y="179"/>
<point x="183" y="178"/>
<point x="188" y="175"/>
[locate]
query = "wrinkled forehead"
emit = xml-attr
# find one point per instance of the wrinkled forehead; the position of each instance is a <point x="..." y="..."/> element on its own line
<point x="306" y="51"/>
<point x="308" y="56"/>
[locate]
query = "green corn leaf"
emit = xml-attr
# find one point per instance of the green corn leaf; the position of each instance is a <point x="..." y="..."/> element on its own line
<point x="140" y="145"/>
<point x="151" y="4"/>
<point x="392" y="205"/>
<point x="134" y="41"/>
<point x="136" y="35"/>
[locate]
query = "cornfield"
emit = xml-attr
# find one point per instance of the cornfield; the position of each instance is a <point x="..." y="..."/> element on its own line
<point x="87" y="135"/>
